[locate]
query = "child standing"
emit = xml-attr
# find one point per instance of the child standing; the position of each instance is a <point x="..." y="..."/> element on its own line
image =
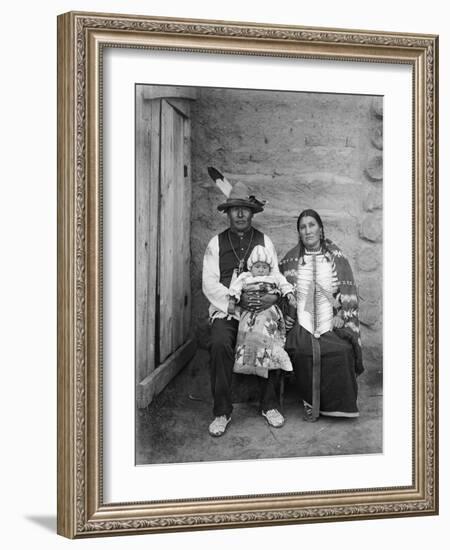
<point x="261" y="335"/>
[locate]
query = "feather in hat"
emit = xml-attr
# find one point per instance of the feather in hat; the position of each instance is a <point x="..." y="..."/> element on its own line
<point x="237" y="194"/>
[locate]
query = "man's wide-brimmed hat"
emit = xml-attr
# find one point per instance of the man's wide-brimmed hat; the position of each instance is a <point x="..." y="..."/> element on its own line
<point x="240" y="196"/>
<point x="237" y="194"/>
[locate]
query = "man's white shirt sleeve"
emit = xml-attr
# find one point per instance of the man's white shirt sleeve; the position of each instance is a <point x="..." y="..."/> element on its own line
<point x="213" y="289"/>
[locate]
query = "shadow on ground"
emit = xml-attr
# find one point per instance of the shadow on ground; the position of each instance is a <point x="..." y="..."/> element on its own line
<point x="46" y="522"/>
<point x="174" y="428"/>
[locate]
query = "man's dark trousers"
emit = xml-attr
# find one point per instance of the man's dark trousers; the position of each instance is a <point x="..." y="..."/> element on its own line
<point x="223" y="342"/>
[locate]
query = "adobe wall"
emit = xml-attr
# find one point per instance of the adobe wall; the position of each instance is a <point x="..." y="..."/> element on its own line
<point x="296" y="150"/>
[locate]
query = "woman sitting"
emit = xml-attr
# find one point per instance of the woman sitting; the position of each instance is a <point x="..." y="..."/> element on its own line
<point x="323" y="341"/>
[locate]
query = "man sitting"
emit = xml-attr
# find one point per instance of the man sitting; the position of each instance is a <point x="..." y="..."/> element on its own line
<point x="225" y="258"/>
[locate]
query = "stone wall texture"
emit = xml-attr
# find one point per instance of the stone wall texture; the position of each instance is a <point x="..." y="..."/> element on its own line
<point x="297" y="151"/>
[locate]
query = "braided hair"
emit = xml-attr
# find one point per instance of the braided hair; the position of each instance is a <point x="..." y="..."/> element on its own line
<point x="313" y="214"/>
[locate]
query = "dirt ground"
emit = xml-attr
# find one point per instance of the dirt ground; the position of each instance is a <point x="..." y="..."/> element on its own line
<point x="174" y="427"/>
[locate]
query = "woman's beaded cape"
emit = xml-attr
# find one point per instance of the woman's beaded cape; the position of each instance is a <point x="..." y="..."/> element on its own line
<point x="347" y="294"/>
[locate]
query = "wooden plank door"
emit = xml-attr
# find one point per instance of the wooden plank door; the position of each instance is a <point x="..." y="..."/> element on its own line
<point x="174" y="242"/>
<point x="148" y="117"/>
<point x="164" y="343"/>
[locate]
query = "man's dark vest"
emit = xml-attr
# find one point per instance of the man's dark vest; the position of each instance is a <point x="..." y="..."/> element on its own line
<point x="243" y="247"/>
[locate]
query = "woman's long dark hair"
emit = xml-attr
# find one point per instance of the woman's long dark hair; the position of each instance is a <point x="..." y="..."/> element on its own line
<point x="313" y="214"/>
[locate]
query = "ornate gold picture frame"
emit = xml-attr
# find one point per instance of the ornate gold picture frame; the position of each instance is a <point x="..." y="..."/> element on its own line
<point x="82" y="509"/>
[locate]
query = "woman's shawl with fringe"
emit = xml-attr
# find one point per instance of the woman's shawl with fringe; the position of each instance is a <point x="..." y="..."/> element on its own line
<point x="346" y="295"/>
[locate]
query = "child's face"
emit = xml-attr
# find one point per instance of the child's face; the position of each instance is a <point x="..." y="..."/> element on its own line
<point x="259" y="269"/>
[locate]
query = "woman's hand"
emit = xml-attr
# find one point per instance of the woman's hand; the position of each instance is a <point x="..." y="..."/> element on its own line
<point x="289" y="322"/>
<point x="291" y="300"/>
<point x="338" y="322"/>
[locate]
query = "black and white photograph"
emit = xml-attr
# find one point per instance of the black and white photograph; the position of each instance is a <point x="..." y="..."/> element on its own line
<point x="258" y="274"/>
<point x="223" y="241"/>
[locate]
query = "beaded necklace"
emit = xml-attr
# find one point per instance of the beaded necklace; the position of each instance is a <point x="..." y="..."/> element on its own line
<point x="241" y="260"/>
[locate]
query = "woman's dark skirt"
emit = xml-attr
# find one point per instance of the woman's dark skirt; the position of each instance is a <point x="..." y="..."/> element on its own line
<point x="338" y="387"/>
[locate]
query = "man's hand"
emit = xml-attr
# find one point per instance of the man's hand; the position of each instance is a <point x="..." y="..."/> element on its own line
<point x="255" y="302"/>
<point x="231" y="306"/>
